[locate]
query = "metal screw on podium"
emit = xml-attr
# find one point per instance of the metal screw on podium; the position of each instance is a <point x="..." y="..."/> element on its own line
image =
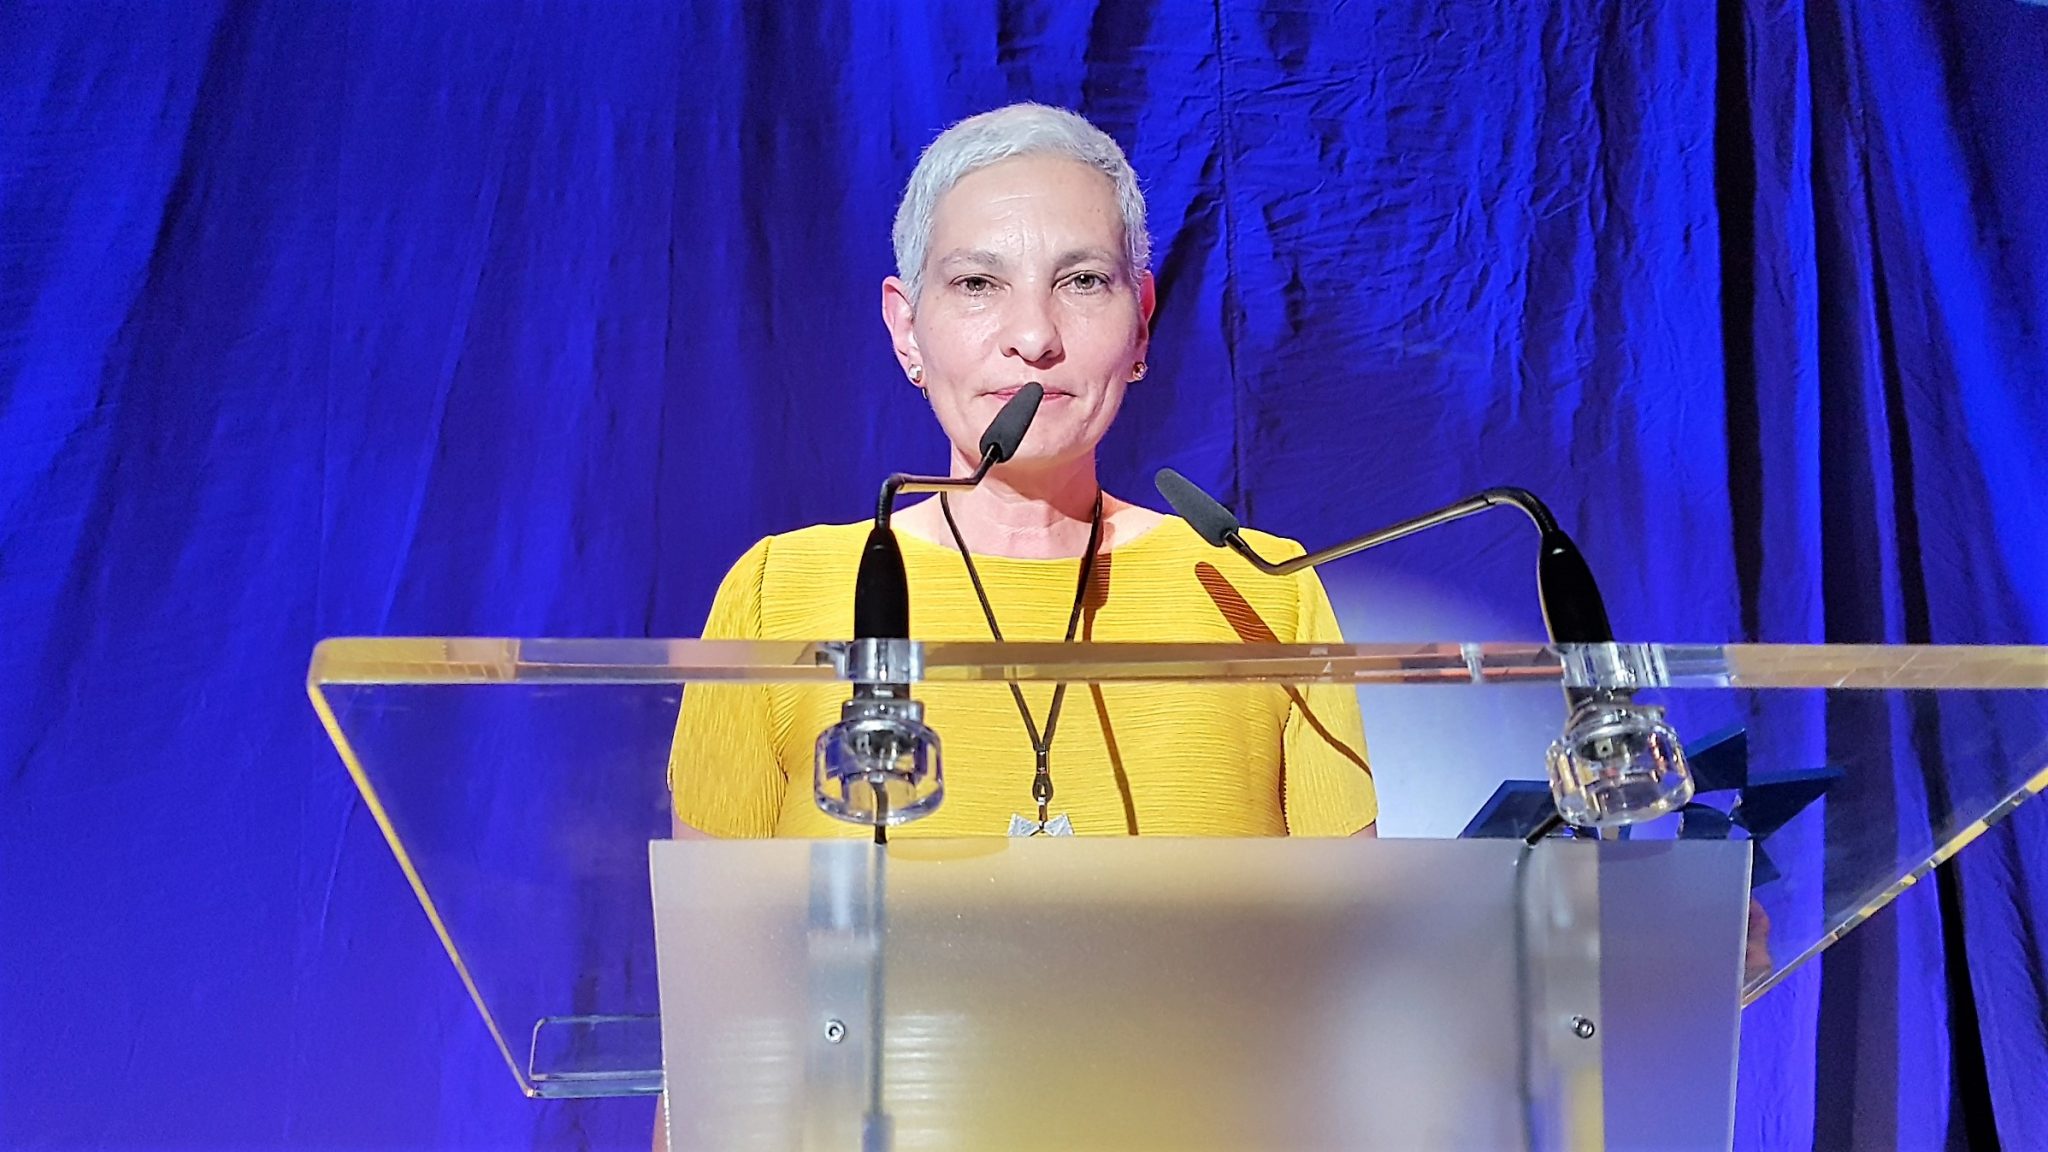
<point x="834" y="1031"/>
<point x="1582" y="1027"/>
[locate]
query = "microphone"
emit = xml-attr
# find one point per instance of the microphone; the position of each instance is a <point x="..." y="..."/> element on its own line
<point x="881" y="592"/>
<point x="1618" y="762"/>
<point x="880" y="765"/>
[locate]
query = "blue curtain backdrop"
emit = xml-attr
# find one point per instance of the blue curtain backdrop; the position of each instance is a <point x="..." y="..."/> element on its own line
<point x="326" y="318"/>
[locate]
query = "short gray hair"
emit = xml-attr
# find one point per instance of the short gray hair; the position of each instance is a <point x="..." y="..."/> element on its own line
<point x="1016" y="130"/>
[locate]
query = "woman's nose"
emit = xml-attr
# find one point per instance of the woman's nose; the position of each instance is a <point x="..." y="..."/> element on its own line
<point x="1031" y="332"/>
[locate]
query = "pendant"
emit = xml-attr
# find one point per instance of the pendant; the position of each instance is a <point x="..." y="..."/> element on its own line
<point x="1059" y="825"/>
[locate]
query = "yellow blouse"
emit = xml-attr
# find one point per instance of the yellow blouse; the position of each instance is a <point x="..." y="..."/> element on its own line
<point x="1157" y="759"/>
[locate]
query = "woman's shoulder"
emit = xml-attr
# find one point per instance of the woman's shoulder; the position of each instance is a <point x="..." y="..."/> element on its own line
<point x="817" y="557"/>
<point x="1270" y="546"/>
<point x="796" y="584"/>
<point x="816" y="544"/>
<point x="1172" y="532"/>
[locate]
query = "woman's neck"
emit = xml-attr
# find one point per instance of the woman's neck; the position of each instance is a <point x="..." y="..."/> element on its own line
<point x="1041" y="514"/>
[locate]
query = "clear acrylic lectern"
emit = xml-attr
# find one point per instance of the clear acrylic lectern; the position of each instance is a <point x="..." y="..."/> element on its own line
<point x="1452" y="987"/>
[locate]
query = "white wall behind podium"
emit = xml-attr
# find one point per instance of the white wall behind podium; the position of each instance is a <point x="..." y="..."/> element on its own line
<point x="1438" y="751"/>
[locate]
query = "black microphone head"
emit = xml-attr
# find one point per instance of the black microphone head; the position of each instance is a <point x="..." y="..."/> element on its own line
<point x="1006" y="431"/>
<point x="1210" y="520"/>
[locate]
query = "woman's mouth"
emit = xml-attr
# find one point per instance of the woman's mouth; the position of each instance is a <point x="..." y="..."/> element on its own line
<point x="1004" y="394"/>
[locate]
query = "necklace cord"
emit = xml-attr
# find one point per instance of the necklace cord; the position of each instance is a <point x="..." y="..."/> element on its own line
<point x="1041" y="746"/>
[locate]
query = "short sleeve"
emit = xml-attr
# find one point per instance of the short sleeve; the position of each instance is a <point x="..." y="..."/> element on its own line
<point x="725" y="776"/>
<point x="1329" y="788"/>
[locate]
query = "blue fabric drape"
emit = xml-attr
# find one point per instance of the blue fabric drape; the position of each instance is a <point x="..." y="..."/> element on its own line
<point x="526" y="318"/>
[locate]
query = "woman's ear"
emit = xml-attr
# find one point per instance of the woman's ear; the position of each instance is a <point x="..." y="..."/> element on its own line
<point x="1148" y="301"/>
<point x="899" y="316"/>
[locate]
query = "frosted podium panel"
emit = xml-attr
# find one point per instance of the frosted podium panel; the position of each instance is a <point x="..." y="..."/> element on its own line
<point x="1180" y="993"/>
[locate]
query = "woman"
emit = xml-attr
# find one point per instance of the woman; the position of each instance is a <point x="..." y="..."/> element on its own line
<point x="1022" y="256"/>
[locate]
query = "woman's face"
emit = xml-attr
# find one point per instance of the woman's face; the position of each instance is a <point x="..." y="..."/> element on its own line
<point x="1026" y="278"/>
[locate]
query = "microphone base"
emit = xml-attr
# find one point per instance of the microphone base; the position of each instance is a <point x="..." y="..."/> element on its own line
<point x="1617" y="763"/>
<point x="880" y="766"/>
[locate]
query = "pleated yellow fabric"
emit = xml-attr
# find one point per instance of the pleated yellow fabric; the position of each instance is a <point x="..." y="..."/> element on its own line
<point x="1174" y="760"/>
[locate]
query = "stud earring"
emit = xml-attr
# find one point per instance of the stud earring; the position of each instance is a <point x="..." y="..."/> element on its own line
<point x="1138" y="370"/>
